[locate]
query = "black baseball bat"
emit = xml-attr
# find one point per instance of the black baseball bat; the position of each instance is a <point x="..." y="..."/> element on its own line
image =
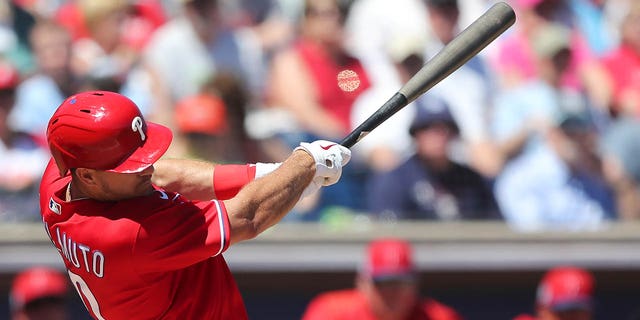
<point x="463" y="47"/>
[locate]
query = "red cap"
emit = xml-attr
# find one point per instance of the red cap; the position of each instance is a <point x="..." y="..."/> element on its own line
<point x="36" y="283"/>
<point x="566" y="288"/>
<point x="9" y="76"/>
<point x="389" y="259"/>
<point x="201" y="113"/>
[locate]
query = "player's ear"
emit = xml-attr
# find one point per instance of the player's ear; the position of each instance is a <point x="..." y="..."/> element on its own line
<point x="86" y="176"/>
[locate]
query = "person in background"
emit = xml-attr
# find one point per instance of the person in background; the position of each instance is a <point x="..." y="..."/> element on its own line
<point x="515" y="57"/>
<point x="430" y="184"/>
<point x="53" y="80"/>
<point x="471" y="109"/>
<point x="39" y="293"/>
<point x="620" y="149"/>
<point x="202" y="119"/>
<point x="623" y="66"/>
<point x="564" y="293"/>
<point x="553" y="176"/>
<point x="390" y="143"/>
<point x="316" y="81"/>
<point x="21" y="156"/>
<point x="386" y="288"/>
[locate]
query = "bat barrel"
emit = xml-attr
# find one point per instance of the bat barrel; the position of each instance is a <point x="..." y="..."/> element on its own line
<point x="461" y="49"/>
<point x="454" y="54"/>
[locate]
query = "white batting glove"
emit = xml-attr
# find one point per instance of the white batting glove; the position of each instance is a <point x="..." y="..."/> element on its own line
<point x="330" y="157"/>
<point x="313" y="187"/>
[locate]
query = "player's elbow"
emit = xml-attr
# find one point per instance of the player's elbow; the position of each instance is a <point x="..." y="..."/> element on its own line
<point x="243" y="229"/>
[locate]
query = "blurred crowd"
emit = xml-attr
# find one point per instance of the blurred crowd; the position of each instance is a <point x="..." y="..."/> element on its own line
<point x="540" y="129"/>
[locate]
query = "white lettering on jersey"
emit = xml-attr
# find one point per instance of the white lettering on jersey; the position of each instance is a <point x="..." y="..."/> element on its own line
<point x="136" y="126"/>
<point x="91" y="260"/>
<point x="55" y="207"/>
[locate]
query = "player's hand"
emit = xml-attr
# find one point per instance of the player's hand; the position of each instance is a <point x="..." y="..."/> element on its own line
<point x="330" y="157"/>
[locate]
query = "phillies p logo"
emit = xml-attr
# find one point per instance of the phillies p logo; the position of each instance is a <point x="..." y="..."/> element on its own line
<point x="136" y="126"/>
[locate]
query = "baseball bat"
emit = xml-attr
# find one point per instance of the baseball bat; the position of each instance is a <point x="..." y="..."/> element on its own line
<point x="457" y="52"/>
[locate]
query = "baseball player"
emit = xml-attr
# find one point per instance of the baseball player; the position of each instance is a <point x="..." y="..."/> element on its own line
<point x="387" y="288"/>
<point x="39" y="293"/>
<point x="141" y="237"/>
<point x="564" y="293"/>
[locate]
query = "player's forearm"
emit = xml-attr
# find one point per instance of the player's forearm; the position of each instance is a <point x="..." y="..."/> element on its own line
<point x="191" y="178"/>
<point x="264" y="202"/>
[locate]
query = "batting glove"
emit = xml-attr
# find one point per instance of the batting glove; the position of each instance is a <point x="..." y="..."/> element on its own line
<point x="330" y="157"/>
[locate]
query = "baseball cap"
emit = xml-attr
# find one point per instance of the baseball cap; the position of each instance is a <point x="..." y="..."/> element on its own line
<point x="429" y="110"/>
<point x="36" y="283"/>
<point x="566" y="288"/>
<point x="202" y="113"/>
<point x="550" y="39"/>
<point x="389" y="259"/>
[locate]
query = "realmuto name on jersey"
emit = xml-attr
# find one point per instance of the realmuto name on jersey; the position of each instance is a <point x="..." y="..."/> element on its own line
<point x="78" y="254"/>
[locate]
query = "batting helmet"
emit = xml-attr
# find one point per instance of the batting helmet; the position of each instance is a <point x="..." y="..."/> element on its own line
<point x="104" y="131"/>
<point x="566" y="288"/>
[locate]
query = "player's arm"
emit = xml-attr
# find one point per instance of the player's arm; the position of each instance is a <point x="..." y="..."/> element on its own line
<point x="201" y="180"/>
<point x="264" y="202"/>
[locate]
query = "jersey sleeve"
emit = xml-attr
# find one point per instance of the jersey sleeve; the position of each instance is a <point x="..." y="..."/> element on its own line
<point x="229" y="179"/>
<point x="181" y="234"/>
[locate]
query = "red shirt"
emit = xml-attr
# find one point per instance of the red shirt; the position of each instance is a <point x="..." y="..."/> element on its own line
<point x="623" y="66"/>
<point x="153" y="257"/>
<point x="324" y="72"/>
<point x="351" y="304"/>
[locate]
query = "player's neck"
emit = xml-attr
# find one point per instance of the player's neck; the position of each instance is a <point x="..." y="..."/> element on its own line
<point x="72" y="193"/>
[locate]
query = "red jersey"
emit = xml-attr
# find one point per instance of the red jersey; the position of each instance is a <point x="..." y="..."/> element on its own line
<point x="351" y="304"/>
<point x="152" y="257"/>
<point x="324" y="71"/>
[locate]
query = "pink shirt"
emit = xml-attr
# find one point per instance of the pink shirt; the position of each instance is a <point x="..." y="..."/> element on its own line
<point x="516" y="56"/>
<point x="153" y="257"/>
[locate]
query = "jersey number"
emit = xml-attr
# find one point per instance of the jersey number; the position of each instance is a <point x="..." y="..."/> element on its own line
<point x="86" y="295"/>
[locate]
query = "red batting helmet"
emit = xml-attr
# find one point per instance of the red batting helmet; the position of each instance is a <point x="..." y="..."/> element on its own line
<point x="104" y="131"/>
<point x="566" y="288"/>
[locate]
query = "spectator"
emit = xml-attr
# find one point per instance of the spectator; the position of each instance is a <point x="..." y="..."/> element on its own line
<point x="202" y="119"/>
<point x="620" y="148"/>
<point x="21" y="158"/>
<point x="304" y="78"/>
<point x="196" y="34"/>
<point x="623" y="66"/>
<point x="373" y="24"/>
<point x="386" y="289"/>
<point x="306" y="82"/>
<point x="430" y="185"/>
<point x="38" y="95"/>
<point x="564" y="293"/>
<point x="39" y="293"/>
<point x="471" y="108"/>
<point x="515" y="59"/>
<point x="590" y="19"/>
<point x="390" y="143"/>
<point x="553" y="178"/>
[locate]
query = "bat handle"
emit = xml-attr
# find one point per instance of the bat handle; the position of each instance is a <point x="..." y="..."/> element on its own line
<point x="389" y="108"/>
